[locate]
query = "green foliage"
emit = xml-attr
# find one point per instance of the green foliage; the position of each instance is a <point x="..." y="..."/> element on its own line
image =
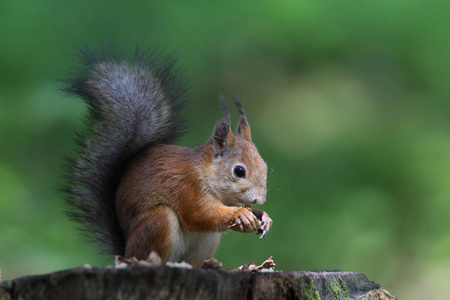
<point x="348" y="103"/>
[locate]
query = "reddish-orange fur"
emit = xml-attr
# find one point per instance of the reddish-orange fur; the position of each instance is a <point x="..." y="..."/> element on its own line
<point x="167" y="188"/>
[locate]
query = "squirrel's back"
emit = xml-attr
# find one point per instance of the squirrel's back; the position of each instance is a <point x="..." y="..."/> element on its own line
<point x="132" y="104"/>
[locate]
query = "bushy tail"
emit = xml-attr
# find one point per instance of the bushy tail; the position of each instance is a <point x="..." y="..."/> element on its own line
<point x="133" y="103"/>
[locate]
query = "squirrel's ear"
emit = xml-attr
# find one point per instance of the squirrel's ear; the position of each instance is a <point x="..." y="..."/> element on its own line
<point x="243" y="128"/>
<point x="223" y="137"/>
<point x="244" y="131"/>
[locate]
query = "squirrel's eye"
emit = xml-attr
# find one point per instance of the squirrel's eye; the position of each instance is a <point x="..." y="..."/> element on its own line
<point x="239" y="171"/>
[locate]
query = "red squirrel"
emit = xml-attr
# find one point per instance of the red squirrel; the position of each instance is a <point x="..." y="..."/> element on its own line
<point x="134" y="192"/>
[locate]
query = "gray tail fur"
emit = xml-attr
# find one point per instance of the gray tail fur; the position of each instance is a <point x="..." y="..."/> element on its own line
<point x="132" y="104"/>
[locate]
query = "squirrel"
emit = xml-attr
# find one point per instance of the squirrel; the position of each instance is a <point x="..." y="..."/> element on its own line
<point x="131" y="190"/>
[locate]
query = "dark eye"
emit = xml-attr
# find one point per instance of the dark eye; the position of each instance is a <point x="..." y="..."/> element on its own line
<point x="239" y="171"/>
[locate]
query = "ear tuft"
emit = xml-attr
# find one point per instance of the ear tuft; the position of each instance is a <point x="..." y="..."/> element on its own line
<point x="241" y="111"/>
<point x="225" y="109"/>
<point x="243" y="128"/>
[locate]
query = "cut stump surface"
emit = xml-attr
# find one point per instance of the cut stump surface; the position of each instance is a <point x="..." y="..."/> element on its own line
<point x="179" y="283"/>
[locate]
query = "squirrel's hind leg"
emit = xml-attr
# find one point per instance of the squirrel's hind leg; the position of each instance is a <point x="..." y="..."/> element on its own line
<point x="157" y="231"/>
<point x="160" y="230"/>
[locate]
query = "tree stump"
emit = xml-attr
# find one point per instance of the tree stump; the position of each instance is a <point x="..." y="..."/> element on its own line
<point x="164" y="282"/>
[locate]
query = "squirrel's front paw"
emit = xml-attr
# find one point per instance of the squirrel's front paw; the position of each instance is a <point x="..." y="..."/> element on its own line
<point x="266" y="221"/>
<point x="245" y="221"/>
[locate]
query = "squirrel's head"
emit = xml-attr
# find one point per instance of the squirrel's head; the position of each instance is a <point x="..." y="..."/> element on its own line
<point x="238" y="173"/>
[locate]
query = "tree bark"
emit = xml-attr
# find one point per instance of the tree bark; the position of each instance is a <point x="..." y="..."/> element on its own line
<point x="164" y="282"/>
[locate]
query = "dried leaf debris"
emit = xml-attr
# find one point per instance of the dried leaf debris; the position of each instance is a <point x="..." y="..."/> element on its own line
<point x="155" y="260"/>
<point x="267" y="266"/>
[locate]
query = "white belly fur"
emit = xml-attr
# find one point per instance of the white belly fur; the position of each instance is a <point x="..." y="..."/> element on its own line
<point x="191" y="247"/>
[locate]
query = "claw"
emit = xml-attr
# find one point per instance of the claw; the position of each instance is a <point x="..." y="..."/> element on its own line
<point x="263" y="234"/>
<point x="263" y="229"/>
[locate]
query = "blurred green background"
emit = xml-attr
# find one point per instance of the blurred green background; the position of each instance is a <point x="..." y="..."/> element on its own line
<point x="348" y="103"/>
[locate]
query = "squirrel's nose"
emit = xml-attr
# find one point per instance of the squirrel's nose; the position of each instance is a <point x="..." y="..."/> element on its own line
<point x="260" y="200"/>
